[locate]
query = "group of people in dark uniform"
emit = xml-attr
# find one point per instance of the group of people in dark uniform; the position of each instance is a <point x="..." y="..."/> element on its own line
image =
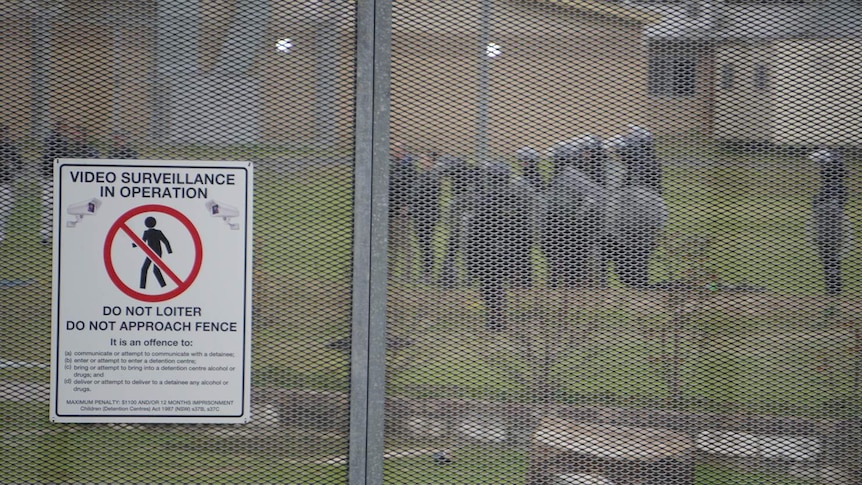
<point x="62" y="141"/>
<point x="600" y="202"/>
<point x="597" y="203"/>
<point x="580" y="217"/>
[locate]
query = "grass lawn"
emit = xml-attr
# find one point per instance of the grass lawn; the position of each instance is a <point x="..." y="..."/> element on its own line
<point x="784" y="351"/>
<point x="754" y="212"/>
<point x="173" y="455"/>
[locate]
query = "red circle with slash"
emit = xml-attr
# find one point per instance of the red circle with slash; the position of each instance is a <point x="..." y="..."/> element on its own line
<point x="182" y="284"/>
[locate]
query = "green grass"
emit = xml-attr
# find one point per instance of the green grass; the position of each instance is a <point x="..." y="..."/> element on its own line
<point x="756" y="366"/>
<point x="474" y="465"/>
<point x="731" y="361"/>
<point x="169" y="454"/>
<point x="758" y="221"/>
<point x="128" y="454"/>
<point x="718" y="475"/>
<point x="166" y="455"/>
<point x="755" y="221"/>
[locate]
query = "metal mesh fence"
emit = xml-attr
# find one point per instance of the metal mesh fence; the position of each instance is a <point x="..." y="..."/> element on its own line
<point x="620" y="235"/>
<point x="269" y="82"/>
<point x="622" y="243"/>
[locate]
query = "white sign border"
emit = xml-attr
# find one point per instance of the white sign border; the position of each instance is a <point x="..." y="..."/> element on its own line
<point x="245" y="415"/>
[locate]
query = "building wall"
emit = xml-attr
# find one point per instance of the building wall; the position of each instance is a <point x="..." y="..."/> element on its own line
<point x="435" y="94"/>
<point x="308" y="92"/>
<point x="15" y="89"/>
<point x="560" y="74"/>
<point x="817" y="92"/>
<point x="95" y="67"/>
<point x="101" y="64"/>
<point x="744" y="111"/>
<point x="691" y="114"/>
<point x="811" y="96"/>
<point x="563" y="72"/>
<point x="598" y="88"/>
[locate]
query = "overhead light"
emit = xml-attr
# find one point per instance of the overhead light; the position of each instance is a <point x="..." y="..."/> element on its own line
<point x="284" y="46"/>
<point x="493" y="50"/>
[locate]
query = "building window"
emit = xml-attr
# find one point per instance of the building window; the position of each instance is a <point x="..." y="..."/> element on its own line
<point x="728" y="76"/>
<point x="761" y="77"/>
<point x="672" y="76"/>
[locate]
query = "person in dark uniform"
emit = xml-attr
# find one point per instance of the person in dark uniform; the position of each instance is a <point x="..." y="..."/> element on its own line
<point x="463" y="183"/>
<point x="591" y="158"/>
<point x="120" y="148"/>
<point x="637" y="153"/>
<point x="489" y="249"/>
<point x="11" y="164"/>
<point x="525" y="225"/>
<point x="402" y="175"/>
<point x="530" y="181"/>
<point x="154" y="239"/>
<point x="57" y="145"/>
<point x="562" y="155"/>
<point x="573" y="223"/>
<point x="829" y="221"/>
<point x="425" y="209"/>
<point x="552" y="227"/>
<point x="528" y="162"/>
<point x="636" y="210"/>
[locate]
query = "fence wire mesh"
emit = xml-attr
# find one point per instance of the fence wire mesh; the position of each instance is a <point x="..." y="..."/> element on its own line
<point x="270" y="82"/>
<point x="621" y="234"/>
<point x="621" y="243"/>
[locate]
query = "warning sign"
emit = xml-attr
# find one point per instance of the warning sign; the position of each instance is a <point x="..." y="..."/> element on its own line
<point x="151" y="245"/>
<point x="152" y="291"/>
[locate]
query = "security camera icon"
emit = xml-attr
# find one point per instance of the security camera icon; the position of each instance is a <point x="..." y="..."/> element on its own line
<point x="81" y="209"/>
<point x="226" y="212"/>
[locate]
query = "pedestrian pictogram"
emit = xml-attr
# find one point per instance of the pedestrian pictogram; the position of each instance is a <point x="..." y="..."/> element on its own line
<point x="152" y="244"/>
<point x="154" y="239"/>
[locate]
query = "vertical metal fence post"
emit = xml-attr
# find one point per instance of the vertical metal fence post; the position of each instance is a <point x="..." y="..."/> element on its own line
<point x="368" y="352"/>
<point x="178" y="24"/>
<point x="326" y="83"/>
<point x="484" y="80"/>
<point x="41" y="59"/>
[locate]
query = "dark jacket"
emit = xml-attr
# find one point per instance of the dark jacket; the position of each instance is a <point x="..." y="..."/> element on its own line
<point x="829" y="201"/>
<point x="642" y="167"/>
<point x="589" y="161"/>
<point x="832" y="188"/>
<point x="402" y="175"/>
<point x="425" y="195"/>
<point x="10" y="161"/>
<point x="463" y="177"/>
<point x="501" y="218"/>
<point x="532" y="176"/>
<point x="56" y="146"/>
<point x="122" y="152"/>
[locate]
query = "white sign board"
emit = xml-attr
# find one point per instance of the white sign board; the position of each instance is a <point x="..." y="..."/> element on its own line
<point x="151" y="319"/>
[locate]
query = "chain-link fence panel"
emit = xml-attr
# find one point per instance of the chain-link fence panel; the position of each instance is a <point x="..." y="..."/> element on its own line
<point x="622" y="243"/>
<point x="620" y="235"/>
<point x="255" y="80"/>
